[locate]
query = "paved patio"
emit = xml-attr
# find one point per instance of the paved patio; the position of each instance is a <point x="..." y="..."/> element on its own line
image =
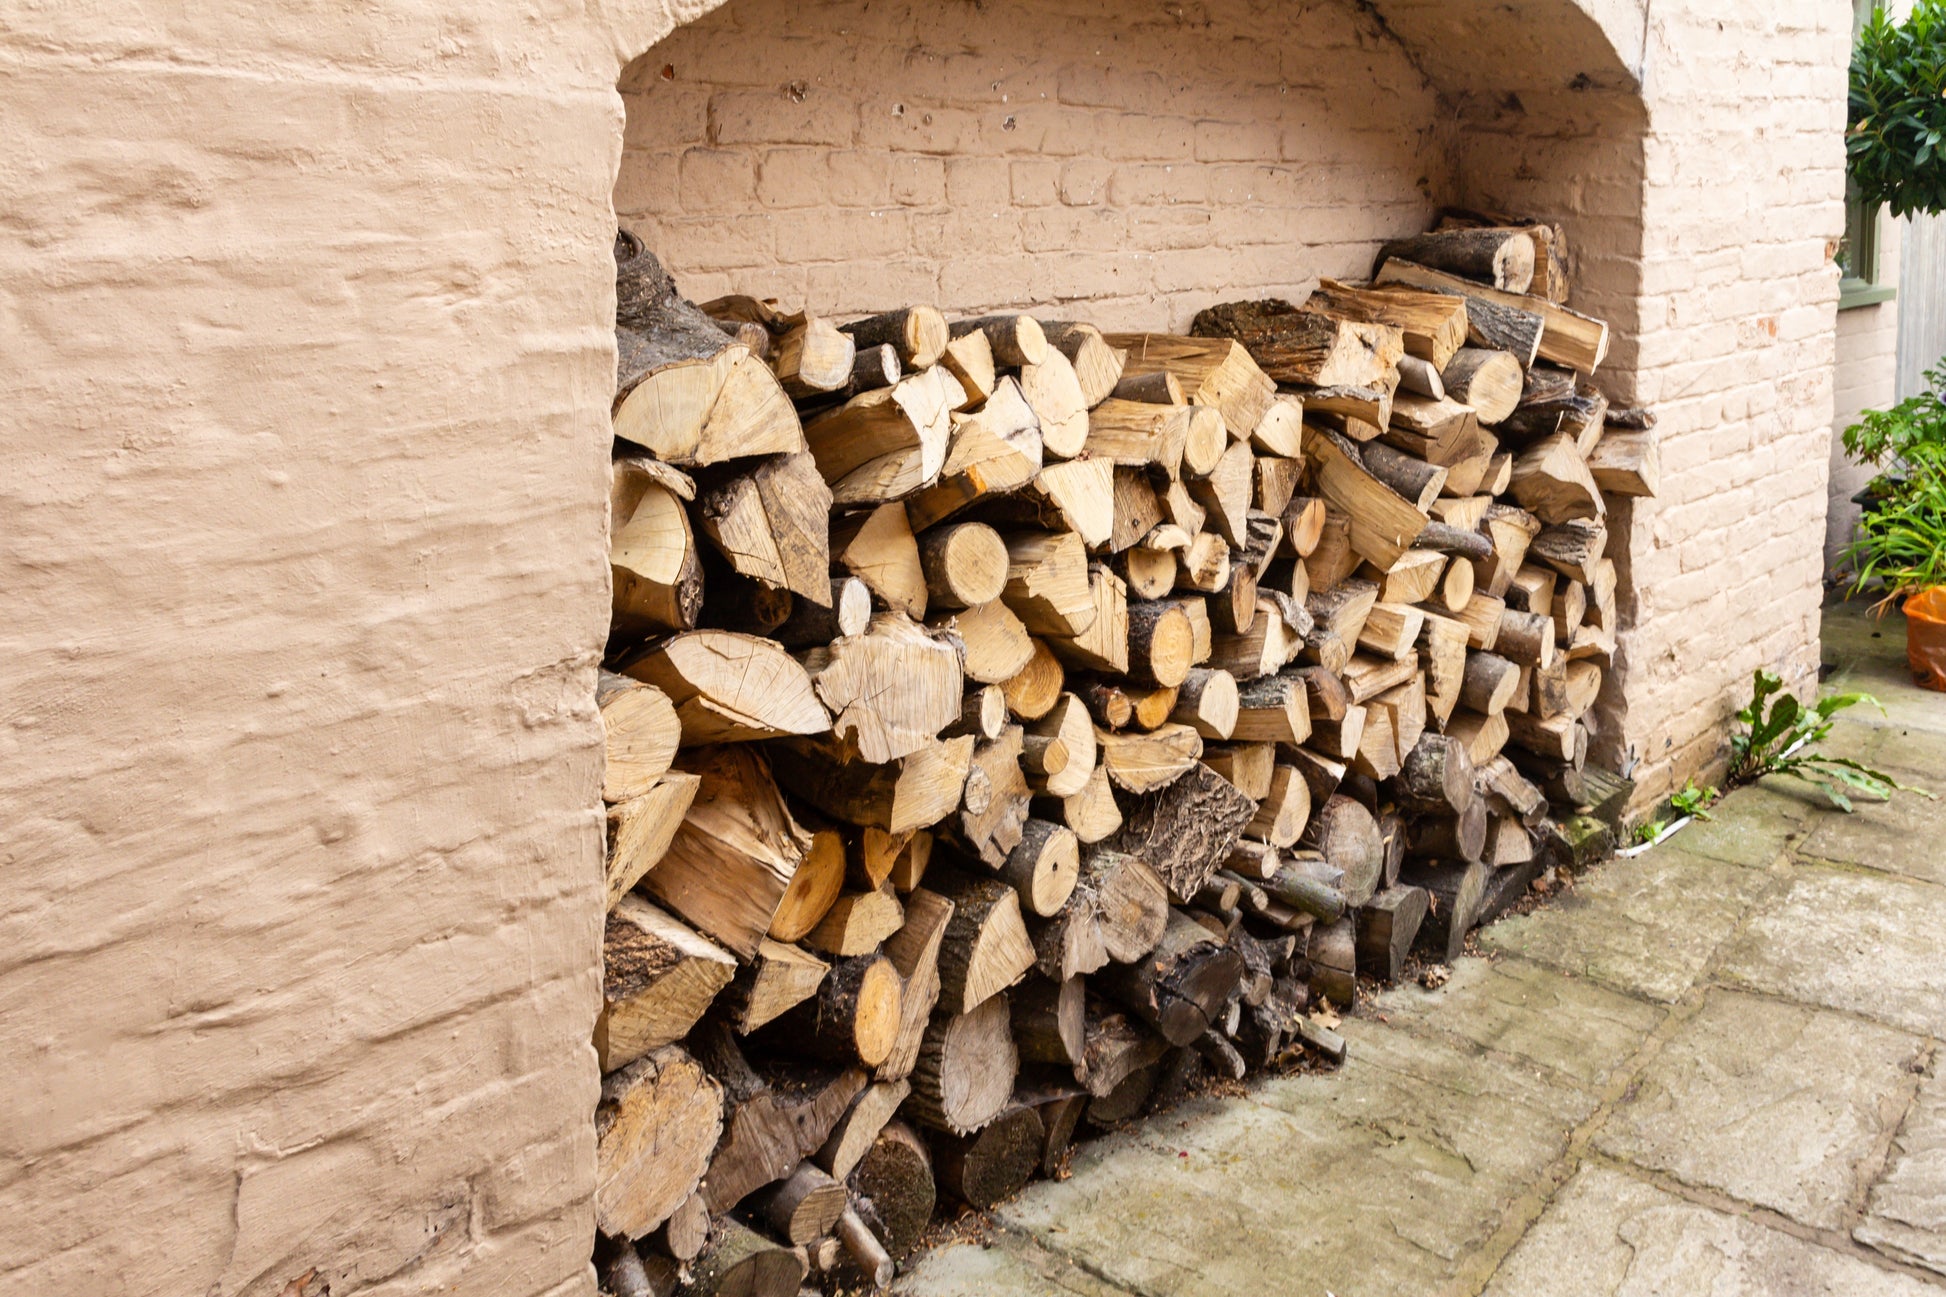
<point x="1713" y="1069"/>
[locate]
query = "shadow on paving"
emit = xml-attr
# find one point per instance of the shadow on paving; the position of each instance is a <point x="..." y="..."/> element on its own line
<point x="1711" y="1069"/>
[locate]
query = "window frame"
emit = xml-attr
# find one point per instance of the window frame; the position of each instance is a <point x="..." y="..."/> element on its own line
<point x="1862" y="220"/>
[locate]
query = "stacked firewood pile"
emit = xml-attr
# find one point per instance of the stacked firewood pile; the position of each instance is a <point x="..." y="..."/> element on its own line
<point x="1008" y="722"/>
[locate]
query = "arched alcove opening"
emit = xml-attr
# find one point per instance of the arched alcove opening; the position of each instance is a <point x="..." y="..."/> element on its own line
<point x="1126" y="168"/>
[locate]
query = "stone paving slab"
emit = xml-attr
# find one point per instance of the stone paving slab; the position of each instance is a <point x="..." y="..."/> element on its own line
<point x="1570" y="1025"/>
<point x="1901" y="836"/>
<point x="1375" y="1180"/>
<point x="1009" y="1265"/>
<point x="1774" y="1104"/>
<point x="1609" y="1235"/>
<point x="1907" y="1214"/>
<point x="1645" y="926"/>
<point x="1873" y="944"/>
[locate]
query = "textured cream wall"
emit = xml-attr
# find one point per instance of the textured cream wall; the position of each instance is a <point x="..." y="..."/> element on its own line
<point x="1145" y="161"/>
<point x="307" y="358"/>
<point x="307" y="363"/>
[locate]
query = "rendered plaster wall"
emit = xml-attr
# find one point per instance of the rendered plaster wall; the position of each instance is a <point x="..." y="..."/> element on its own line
<point x="1139" y="163"/>
<point x="308" y="348"/>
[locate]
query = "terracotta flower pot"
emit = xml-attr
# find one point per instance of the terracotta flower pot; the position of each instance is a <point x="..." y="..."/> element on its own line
<point x="1925" y="637"/>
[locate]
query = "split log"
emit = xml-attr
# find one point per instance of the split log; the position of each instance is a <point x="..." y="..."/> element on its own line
<point x="890" y="691"/>
<point x="914" y="792"/>
<point x="856" y="923"/>
<point x="986" y="948"/>
<point x="641" y="829"/>
<point x="1283" y="813"/>
<point x="1103" y="645"/>
<point x="1059" y="748"/>
<point x="1455" y="894"/>
<point x="768" y="1130"/>
<point x="1117" y="1049"/>
<point x="1627" y="462"/>
<point x="1273" y="709"/>
<point x="878" y="548"/>
<point x="994" y="646"/>
<point x="914" y="952"/>
<point x="995" y="808"/>
<point x="1212" y="371"/>
<point x="1047" y="583"/>
<point x="1208" y="703"/>
<point x="885" y="444"/>
<point x="778" y="977"/>
<point x="1161" y="643"/>
<point x="1574" y="549"/>
<point x="658" y="977"/>
<point x="1097" y="366"/>
<point x="1143" y="763"/>
<point x="856" y="1131"/>
<point x="1091" y="813"/>
<point x="969" y="358"/>
<point x="1551" y="480"/>
<point x="655" y="1128"/>
<point x="1387" y="926"/>
<point x="1461" y="835"/>
<point x="1248" y="766"/>
<point x="1015" y="340"/>
<point x="728" y="687"/>
<point x="771" y="521"/>
<point x="728" y="866"/>
<point x="966" y="1069"/>
<point x="1054" y="391"/>
<point x="1383" y="525"/>
<point x="686" y="393"/>
<point x="1432" y="325"/>
<point x="1568" y="338"/>
<point x="804" y="1207"/>
<point x="994" y="450"/>
<point x="654" y="567"/>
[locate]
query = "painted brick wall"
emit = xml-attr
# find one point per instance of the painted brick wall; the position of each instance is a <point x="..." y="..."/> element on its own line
<point x="1146" y="161"/>
<point x="1866" y="378"/>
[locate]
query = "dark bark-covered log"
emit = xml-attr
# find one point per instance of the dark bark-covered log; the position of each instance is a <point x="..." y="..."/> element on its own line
<point x="1386" y="928"/>
<point x="983" y="1169"/>
<point x="895" y="1176"/>
<point x="1459" y="835"/>
<point x="1186" y="830"/>
<point x="854" y="1017"/>
<point x="1293" y="345"/>
<point x="1500" y="258"/>
<point x="1454" y="540"/>
<point x="1456" y="894"/>
<point x="1050" y="1021"/>
<point x="1118" y="1047"/>
<point x="1181" y="985"/>
<point x="1117" y="912"/>
<point x="1333" y="957"/>
<point x="769" y="1129"/>
<point x="802" y="1207"/>
<point x="740" y="1262"/>
<point x="1437" y="775"/>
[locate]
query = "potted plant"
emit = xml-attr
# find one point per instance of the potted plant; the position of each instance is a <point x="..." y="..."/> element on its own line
<point x="1901" y="543"/>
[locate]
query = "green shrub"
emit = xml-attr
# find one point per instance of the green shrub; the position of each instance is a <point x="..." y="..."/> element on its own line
<point x="1898" y="110"/>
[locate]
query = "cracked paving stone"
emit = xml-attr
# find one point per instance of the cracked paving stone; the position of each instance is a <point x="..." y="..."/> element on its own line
<point x="1869" y="943"/>
<point x="1645" y="926"/>
<point x="1572" y="1026"/>
<point x="1773" y="1104"/>
<point x="1907" y="1214"/>
<point x="1608" y="1235"/>
<point x="1374" y="1180"/>
<point x="1906" y="835"/>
